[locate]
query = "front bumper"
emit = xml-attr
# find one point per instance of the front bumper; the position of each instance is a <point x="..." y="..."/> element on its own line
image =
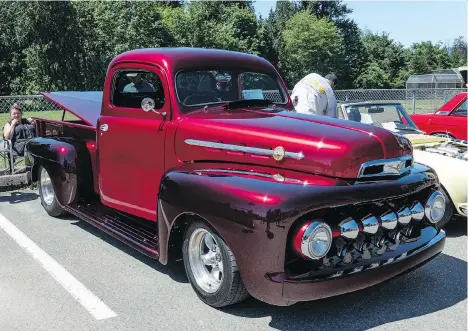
<point x="306" y="290"/>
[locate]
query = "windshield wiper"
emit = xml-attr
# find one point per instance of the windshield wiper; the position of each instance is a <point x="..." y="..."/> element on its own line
<point x="407" y="127"/>
<point x="247" y="103"/>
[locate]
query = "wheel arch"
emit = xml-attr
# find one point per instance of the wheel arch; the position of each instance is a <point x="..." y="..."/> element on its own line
<point x="66" y="162"/>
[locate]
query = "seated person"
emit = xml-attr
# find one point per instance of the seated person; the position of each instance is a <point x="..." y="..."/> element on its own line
<point x="138" y="84"/>
<point x="18" y="130"/>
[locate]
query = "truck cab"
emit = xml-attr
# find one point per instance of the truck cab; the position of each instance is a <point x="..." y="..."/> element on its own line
<point x="197" y="154"/>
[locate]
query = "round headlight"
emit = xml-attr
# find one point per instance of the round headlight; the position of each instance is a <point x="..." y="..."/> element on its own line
<point x="435" y="207"/>
<point x="316" y="240"/>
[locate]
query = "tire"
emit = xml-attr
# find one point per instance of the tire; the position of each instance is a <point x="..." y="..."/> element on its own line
<point x="448" y="210"/>
<point x="47" y="194"/>
<point x="230" y="290"/>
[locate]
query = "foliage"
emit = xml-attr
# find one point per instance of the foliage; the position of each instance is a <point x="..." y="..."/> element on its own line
<point x="310" y="45"/>
<point x="67" y="45"/>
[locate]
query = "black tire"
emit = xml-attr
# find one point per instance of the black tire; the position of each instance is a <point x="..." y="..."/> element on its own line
<point x="448" y="210"/>
<point x="53" y="208"/>
<point x="232" y="290"/>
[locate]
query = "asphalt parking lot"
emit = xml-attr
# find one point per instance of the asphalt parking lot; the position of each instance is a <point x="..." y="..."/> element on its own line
<point x="132" y="292"/>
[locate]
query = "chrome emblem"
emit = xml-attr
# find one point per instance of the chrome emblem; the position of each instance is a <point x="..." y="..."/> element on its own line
<point x="279" y="153"/>
<point x="278" y="177"/>
<point x="393" y="167"/>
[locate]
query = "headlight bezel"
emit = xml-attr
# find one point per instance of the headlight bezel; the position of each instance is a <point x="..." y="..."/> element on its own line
<point x="313" y="229"/>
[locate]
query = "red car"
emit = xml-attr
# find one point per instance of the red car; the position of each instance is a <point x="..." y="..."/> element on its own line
<point x="449" y="120"/>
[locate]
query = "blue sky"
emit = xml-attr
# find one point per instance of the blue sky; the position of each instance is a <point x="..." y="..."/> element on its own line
<point x="406" y="21"/>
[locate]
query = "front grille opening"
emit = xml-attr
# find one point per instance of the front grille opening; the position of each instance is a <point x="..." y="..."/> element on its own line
<point x="373" y="170"/>
<point x="368" y="249"/>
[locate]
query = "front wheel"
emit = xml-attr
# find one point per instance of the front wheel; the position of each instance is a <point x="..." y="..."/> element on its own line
<point x="211" y="267"/>
<point x="47" y="194"/>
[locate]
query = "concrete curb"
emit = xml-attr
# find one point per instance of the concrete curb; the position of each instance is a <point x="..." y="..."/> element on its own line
<point x="13" y="182"/>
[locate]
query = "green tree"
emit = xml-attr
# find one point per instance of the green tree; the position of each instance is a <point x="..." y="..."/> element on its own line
<point x="353" y="55"/>
<point x="426" y="57"/>
<point x="310" y="45"/>
<point x="386" y="54"/>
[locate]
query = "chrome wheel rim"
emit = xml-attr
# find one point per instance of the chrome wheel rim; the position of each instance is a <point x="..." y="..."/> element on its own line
<point x="46" y="188"/>
<point x="206" y="262"/>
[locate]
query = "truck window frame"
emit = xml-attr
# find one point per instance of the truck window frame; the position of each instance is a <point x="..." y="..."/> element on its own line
<point x="115" y="89"/>
<point x="236" y="72"/>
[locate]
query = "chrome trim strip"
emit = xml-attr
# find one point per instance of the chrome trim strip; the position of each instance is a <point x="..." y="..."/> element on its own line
<point x="244" y="149"/>
<point x="384" y="162"/>
<point x="254" y="173"/>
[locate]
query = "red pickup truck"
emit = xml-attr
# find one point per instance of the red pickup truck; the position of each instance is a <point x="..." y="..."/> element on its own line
<point x="196" y="154"/>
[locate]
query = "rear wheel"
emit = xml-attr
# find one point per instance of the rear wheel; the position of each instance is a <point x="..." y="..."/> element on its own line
<point x="211" y="267"/>
<point x="47" y="194"/>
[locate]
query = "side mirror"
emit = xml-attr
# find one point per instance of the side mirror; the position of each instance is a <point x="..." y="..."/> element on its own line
<point x="148" y="104"/>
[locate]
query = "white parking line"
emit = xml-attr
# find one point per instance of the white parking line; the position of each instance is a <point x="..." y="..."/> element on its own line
<point x="86" y="298"/>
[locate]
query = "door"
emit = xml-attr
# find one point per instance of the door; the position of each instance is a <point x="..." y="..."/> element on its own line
<point x="131" y="136"/>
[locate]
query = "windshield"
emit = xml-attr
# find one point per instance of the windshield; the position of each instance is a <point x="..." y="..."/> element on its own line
<point x="210" y="86"/>
<point x="392" y="117"/>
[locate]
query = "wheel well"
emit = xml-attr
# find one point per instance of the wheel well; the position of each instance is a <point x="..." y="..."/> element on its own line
<point x="35" y="172"/>
<point x="176" y="237"/>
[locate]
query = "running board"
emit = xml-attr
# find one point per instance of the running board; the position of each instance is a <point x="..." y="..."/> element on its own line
<point x="129" y="231"/>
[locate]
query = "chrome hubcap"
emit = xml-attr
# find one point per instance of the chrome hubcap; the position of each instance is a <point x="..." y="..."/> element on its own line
<point x="206" y="260"/>
<point x="46" y="187"/>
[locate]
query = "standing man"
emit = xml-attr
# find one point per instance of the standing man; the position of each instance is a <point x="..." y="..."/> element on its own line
<point x="314" y="94"/>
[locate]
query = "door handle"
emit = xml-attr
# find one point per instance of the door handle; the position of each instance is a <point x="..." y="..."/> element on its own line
<point x="104" y="127"/>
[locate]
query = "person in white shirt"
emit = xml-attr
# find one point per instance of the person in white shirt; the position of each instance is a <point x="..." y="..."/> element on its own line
<point x="314" y="95"/>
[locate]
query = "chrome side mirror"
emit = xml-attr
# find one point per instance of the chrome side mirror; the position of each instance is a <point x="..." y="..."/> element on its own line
<point x="148" y="104"/>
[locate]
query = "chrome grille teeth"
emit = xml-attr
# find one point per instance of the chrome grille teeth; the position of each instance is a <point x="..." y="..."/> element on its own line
<point x="370" y="224"/>
<point x="404" y="215"/>
<point x="389" y="220"/>
<point x="417" y="211"/>
<point x="349" y="228"/>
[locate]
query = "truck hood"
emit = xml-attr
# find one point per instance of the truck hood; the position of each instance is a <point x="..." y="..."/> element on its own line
<point x="314" y="144"/>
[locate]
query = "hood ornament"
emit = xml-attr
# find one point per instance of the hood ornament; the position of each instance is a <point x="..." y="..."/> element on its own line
<point x="279" y="153"/>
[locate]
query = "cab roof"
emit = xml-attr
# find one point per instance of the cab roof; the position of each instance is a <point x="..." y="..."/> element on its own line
<point x="178" y="58"/>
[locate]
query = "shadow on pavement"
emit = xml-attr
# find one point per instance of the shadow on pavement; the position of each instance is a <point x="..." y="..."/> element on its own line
<point x="18" y="197"/>
<point x="435" y="286"/>
<point x="457" y="227"/>
<point x="173" y="269"/>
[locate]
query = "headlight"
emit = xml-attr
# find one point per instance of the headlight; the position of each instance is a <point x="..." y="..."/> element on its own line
<point x="435" y="207"/>
<point x="316" y="240"/>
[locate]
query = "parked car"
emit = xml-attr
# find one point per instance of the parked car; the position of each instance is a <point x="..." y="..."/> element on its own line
<point x="448" y="157"/>
<point x="450" y="120"/>
<point x="254" y="198"/>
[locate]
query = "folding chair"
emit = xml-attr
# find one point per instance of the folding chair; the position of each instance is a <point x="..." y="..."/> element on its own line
<point x="6" y="152"/>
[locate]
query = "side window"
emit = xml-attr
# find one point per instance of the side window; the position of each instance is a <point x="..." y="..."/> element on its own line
<point x="462" y="109"/>
<point x="132" y="86"/>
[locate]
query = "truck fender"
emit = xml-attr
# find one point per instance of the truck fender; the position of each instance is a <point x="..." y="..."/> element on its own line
<point x="60" y="158"/>
<point x="237" y="205"/>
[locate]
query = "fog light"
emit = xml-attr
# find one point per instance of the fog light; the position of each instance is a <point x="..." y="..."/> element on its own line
<point x="435" y="207"/>
<point x="316" y="240"/>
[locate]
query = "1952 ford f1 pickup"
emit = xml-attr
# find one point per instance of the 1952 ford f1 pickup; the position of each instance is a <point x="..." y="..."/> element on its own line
<point x="196" y="154"/>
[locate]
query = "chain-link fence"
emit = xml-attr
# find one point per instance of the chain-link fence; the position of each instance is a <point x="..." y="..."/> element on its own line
<point x="415" y="101"/>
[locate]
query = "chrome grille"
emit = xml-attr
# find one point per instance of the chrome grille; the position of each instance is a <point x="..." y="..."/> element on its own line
<point x="386" y="167"/>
